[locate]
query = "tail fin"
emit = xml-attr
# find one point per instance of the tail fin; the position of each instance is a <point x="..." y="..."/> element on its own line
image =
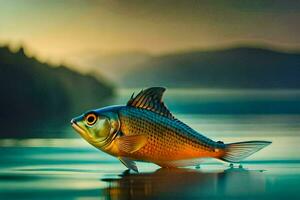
<point x="235" y="152"/>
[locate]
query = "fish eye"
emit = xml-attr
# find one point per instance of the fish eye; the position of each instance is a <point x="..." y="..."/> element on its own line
<point x="91" y="119"/>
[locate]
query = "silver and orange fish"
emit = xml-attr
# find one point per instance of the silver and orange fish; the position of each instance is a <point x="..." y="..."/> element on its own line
<point x="145" y="130"/>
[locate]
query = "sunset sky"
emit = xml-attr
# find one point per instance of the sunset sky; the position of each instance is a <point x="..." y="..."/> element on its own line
<point x="56" y="29"/>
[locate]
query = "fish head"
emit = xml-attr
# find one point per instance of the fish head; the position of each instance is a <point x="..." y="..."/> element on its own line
<point x="98" y="127"/>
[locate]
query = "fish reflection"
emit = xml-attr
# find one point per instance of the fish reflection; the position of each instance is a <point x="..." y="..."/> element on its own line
<point x="186" y="184"/>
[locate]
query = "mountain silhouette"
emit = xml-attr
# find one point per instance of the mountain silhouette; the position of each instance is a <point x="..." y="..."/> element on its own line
<point x="242" y="67"/>
<point x="35" y="94"/>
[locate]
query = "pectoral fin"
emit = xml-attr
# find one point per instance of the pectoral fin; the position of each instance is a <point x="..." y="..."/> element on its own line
<point x="130" y="164"/>
<point x="131" y="143"/>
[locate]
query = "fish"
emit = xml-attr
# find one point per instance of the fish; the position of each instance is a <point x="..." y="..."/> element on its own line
<point x="145" y="130"/>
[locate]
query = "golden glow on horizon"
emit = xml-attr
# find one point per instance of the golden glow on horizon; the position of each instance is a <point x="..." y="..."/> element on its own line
<point x="60" y="30"/>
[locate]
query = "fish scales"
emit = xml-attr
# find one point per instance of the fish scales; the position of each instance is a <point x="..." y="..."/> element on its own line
<point x="168" y="139"/>
<point x="145" y="130"/>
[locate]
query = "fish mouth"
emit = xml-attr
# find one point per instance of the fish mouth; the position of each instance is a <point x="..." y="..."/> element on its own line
<point x="81" y="131"/>
<point x="77" y="128"/>
<point x="84" y="134"/>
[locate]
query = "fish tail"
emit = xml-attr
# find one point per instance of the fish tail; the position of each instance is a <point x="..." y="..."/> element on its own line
<point x="236" y="152"/>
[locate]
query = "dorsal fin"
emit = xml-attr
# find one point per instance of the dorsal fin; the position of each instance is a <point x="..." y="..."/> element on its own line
<point x="151" y="99"/>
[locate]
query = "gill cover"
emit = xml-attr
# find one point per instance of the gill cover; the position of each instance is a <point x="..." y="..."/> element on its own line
<point x="107" y="127"/>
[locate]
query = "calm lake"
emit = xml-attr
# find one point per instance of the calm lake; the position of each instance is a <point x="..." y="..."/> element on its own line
<point x="69" y="168"/>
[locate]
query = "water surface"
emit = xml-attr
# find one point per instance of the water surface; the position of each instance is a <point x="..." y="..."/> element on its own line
<point x="69" y="168"/>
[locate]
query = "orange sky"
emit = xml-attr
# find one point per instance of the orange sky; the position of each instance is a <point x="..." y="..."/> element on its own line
<point x="59" y="30"/>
